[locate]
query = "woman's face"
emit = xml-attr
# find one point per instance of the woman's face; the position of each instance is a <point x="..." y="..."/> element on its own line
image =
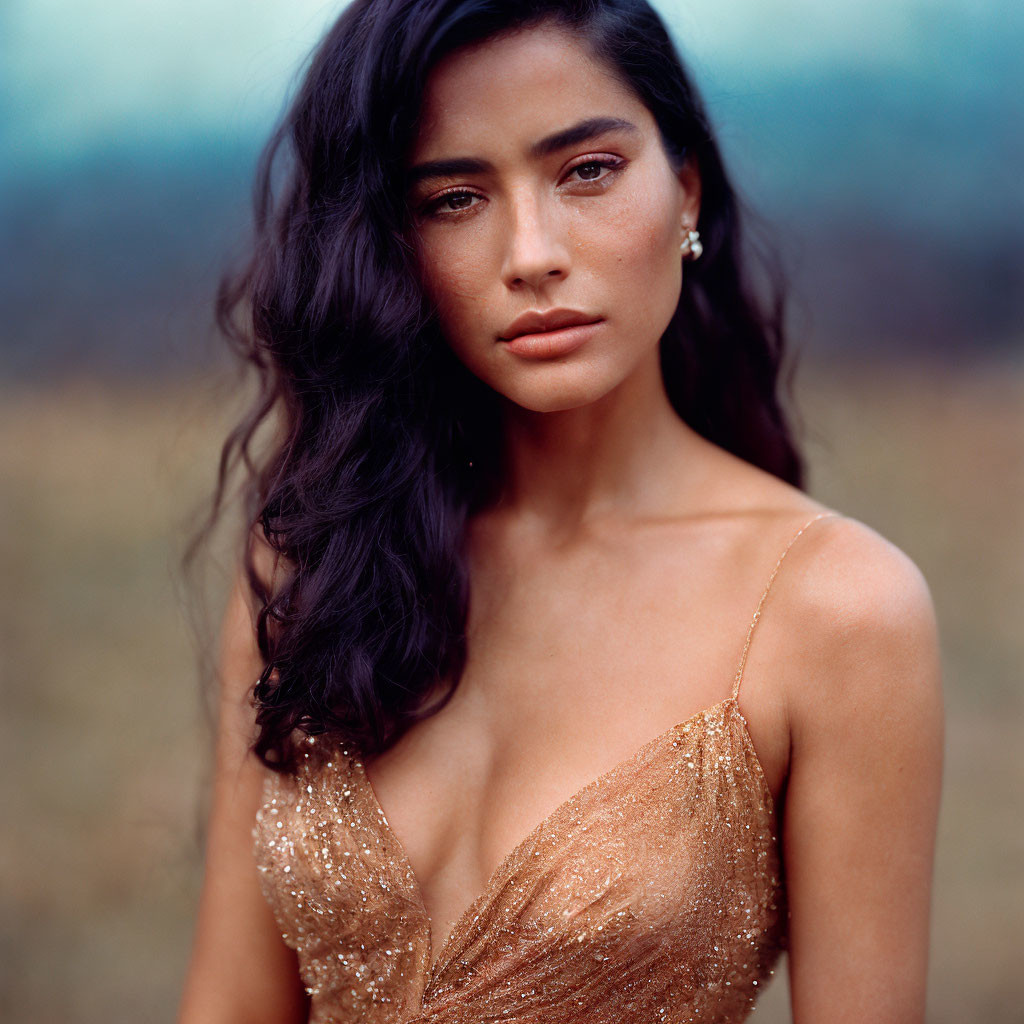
<point x="541" y="192"/>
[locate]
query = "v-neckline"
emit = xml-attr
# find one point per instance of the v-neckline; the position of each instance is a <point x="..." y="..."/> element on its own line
<point x="436" y="966"/>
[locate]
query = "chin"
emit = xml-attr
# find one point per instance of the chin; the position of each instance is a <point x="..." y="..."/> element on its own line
<point x="557" y="392"/>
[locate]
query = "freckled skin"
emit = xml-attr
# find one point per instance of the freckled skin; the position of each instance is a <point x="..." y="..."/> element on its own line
<point x="536" y="235"/>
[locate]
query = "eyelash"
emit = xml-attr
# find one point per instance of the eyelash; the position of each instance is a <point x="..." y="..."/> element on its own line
<point x="433" y="207"/>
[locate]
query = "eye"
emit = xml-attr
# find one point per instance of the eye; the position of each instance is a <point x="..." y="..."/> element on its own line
<point x="594" y="169"/>
<point x="449" y="203"/>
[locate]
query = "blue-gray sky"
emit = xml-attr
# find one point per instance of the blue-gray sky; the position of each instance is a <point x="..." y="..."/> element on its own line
<point x="882" y="138"/>
<point x="76" y="74"/>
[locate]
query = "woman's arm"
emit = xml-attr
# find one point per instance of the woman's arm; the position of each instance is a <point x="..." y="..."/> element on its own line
<point x="861" y="808"/>
<point x="240" y="970"/>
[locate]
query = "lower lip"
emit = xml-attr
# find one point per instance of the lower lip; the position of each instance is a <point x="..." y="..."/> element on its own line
<point x="549" y="344"/>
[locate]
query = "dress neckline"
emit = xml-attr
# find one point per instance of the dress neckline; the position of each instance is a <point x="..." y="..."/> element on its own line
<point x="438" y="965"/>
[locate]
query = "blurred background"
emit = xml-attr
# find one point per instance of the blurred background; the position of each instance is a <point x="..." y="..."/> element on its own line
<point x="883" y="142"/>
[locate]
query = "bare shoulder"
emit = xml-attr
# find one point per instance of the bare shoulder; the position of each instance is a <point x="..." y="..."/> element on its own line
<point x="868" y="636"/>
<point x="240" y="968"/>
<point x="852" y="623"/>
<point x="863" y="791"/>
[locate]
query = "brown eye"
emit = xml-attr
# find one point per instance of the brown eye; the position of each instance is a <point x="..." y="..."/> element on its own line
<point x="449" y="203"/>
<point x="596" y="170"/>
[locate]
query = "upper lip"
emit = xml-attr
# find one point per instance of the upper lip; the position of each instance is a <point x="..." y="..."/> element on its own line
<point x="537" y="322"/>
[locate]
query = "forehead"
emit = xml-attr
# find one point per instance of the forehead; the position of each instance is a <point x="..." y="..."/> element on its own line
<point x="517" y="88"/>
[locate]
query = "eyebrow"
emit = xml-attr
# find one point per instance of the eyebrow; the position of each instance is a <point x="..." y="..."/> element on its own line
<point x="582" y="131"/>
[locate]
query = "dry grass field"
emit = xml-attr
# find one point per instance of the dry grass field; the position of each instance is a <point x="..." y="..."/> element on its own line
<point x="106" y="749"/>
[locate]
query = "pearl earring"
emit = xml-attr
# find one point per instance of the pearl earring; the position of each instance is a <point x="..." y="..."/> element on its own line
<point x="691" y="245"/>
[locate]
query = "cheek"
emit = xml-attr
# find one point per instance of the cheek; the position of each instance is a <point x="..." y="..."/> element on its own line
<point x="456" y="279"/>
<point x="640" y="229"/>
<point x="458" y="286"/>
<point x="636" y="243"/>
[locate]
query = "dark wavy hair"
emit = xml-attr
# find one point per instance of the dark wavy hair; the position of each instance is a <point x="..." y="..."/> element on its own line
<point x="387" y="444"/>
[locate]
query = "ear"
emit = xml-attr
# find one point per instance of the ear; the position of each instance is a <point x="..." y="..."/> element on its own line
<point x="689" y="179"/>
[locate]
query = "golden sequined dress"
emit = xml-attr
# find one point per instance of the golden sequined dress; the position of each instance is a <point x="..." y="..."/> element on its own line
<point x="654" y="894"/>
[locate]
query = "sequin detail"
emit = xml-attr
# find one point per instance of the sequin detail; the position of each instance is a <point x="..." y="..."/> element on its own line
<point x="653" y="894"/>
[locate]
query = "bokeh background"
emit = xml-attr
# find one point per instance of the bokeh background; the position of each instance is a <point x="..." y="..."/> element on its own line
<point x="883" y="142"/>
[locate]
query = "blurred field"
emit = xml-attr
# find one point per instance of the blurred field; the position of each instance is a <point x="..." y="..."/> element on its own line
<point x="103" y="732"/>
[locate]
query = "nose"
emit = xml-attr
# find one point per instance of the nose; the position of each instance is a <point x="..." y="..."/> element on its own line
<point x="536" y="251"/>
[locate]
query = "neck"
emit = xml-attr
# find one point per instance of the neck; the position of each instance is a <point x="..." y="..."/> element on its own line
<point x="614" y="458"/>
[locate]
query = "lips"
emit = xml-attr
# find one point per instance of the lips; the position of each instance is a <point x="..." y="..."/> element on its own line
<point x="539" y="322"/>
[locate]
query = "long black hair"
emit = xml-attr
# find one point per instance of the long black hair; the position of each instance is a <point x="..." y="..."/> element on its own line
<point x="387" y="444"/>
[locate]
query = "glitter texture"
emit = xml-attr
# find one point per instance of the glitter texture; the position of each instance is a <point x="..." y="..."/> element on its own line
<point x="652" y="894"/>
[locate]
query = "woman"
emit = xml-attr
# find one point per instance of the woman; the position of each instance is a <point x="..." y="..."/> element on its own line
<point x="533" y="489"/>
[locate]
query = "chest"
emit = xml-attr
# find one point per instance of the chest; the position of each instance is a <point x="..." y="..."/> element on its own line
<point x="573" y="666"/>
<point x="658" y="881"/>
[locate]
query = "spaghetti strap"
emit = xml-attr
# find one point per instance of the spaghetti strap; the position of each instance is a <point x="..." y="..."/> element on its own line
<point x="771" y="578"/>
